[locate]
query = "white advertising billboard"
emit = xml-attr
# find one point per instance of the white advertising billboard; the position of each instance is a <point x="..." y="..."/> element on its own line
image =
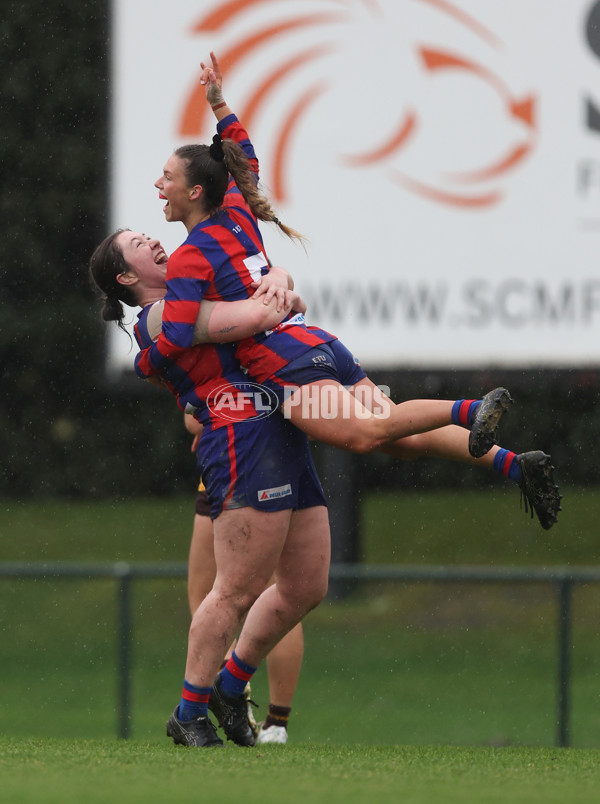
<point x="441" y="156"/>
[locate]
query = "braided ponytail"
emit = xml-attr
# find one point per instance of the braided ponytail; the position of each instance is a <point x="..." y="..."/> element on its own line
<point x="239" y="167"/>
<point x="210" y="167"/>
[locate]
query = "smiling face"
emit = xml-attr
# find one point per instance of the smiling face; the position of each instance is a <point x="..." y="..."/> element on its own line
<point x="182" y="200"/>
<point x="147" y="263"/>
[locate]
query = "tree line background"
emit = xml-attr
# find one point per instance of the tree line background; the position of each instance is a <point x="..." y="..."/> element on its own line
<point x="64" y="429"/>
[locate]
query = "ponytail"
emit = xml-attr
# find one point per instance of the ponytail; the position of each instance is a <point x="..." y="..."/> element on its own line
<point x="106" y="263"/>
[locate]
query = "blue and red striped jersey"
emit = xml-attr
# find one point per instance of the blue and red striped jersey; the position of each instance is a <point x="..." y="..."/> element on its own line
<point x="219" y="260"/>
<point x="207" y="376"/>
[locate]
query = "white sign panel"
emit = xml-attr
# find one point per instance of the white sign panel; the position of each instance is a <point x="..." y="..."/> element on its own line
<point x="441" y="156"/>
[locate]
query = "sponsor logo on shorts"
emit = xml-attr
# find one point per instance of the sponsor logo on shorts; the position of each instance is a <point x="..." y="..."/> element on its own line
<point x="275" y="493"/>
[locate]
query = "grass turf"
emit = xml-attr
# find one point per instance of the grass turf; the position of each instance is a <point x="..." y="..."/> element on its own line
<point x="55" y="771"/>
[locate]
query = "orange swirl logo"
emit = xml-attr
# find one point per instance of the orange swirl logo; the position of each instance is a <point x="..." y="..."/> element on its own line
<point x="454" y="143"/>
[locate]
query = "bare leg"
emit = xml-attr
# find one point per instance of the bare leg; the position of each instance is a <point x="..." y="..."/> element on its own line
<point x="285" y="660"/>
<point x="248" y="545"/>
<point x="284" y="663"/>
<point x="450" y="443"/>
<point x="202" y="567"/>
<point x="301" y="583"/>
<point x="328" y="412"/>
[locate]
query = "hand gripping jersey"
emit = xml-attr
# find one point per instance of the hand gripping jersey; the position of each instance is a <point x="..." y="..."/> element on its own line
<point x="219" y="260"/>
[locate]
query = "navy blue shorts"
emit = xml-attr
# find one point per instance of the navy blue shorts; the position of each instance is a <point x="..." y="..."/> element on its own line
<point x="331" y="361"/>
<point x="265" y="464"/>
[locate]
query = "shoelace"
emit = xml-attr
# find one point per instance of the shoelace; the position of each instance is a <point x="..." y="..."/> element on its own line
<point x="230" y="708"/>
<point x="528" y="503"/>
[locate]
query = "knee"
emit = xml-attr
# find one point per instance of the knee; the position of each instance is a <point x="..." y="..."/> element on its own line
<point x="367" y="437"/>
<point x="370" y="440"/>
<point x="408" y="448"/>
<point x="235" y="603"/>
<point x="314" y="595"/>
<point x="319" y="595"/>
<point x="241" y="600"/>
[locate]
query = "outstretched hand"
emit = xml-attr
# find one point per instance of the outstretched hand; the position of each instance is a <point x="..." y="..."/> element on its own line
<point x="213" y="79"/>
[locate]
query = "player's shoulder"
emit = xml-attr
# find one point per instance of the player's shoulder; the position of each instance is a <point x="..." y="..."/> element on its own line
<point x="188" y="256"/>
<point x="184" y="251"/>
<point x="142" y="335"/>
<point x="154" y="319"/>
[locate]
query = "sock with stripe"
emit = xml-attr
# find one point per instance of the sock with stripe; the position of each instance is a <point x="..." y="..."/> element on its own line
<point x="463" y="411"/>
<point x="194" y="701"/>
<point x="506" y="464"/>
<point x="277" y="716"/>
<point x="235" y="675"/>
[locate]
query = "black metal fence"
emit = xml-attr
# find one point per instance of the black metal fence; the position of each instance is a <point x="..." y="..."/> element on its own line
<point x="562" y="579"/>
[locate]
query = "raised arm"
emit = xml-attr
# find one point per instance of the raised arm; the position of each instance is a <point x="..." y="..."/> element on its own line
<point x="228" y="126"/>
<point x="213" y="80"/>
<point x="189" y="275"/>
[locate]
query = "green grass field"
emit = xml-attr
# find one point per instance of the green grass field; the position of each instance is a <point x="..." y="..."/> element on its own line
<point x="61" y="772"/>
<point x="408" y="692"/>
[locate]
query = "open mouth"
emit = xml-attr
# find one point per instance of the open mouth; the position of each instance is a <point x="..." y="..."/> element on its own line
<point x="164" y="198"/>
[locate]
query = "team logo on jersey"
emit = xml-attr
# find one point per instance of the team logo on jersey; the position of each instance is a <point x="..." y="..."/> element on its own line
<point x="457" y="116"/>
<point x="274" y="493"/>
<point x="321" y="360"/>
<point x="242" y="401"/>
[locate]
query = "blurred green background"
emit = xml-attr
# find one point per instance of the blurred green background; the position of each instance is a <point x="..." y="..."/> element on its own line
<point x="390" y="663"/>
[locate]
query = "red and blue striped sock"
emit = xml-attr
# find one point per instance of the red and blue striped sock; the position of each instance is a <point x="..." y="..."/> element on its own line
<point x="194" y="701"/>
<point x="463" y="411"/>
<point x="506" y="464"/>
<point x="235" y="675"/>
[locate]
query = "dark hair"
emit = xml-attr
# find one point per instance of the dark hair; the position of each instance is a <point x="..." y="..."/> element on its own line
<point x="201" y="168"/>
<point x="210" y="166"/>
<point x="106" y="263"/>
